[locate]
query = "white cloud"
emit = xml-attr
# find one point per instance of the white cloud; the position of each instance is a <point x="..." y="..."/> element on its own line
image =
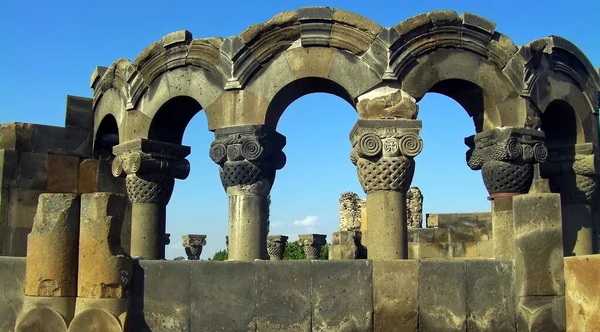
<point x="308" y="221"/>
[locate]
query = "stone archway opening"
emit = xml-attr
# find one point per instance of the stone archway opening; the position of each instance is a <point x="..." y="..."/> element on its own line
<point x="318" y="148"/>
<point x="570" y="173"/>
<point x="172" y="118"/>
<point x="107" y="136"/>
<point x="441" y="173"/>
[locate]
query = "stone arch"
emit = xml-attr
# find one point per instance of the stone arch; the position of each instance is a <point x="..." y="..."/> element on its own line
<point x="556" y="73"/>
<point x="312" y="49"/>
<point x="433" y="52"/>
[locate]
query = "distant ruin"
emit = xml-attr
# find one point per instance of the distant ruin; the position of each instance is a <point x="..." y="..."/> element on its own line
<point x="78" y="202"/>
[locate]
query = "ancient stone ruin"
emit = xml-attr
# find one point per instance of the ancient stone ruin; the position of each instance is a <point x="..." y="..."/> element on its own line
<point x="78" y="202"/>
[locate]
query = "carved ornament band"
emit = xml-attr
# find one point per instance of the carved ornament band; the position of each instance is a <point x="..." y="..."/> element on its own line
<point x="145" y="156"/>
<point x="248" y="156"/>
<point x="581" y="159"/>
<point x="383" y="152"/>
<point x="514" y="145"/>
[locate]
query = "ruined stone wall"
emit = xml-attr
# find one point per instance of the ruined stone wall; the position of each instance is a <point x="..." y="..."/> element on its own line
<point x="380" y="296"/>
<point x="453" y="235"/>
<point x="37" y="159"/>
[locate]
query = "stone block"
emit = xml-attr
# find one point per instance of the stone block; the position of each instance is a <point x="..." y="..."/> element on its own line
<point x="486" y="249"/>
<point x="15" y="136"/>
<point x="441" y="235"/>
<point x="503" y="228"/>
<point x="462" y="234"/>
<point x="104" y="267"/>
<point x="541" y="313"/>
<point x="63" y="174"/>
<point x="345" y="69"/>
<point x="342" y="295"/>
<point x="52" y="247"/>
<point x="458" y="249"/>
<point x="481" y="234"/>
<point x="490" y="296"/>
<point x="9" y="162"/>
<point x="539" y="245"/>
<point x="421" y="235"/>
<point x="582" y="293"/>
<point x="12" y="279"/>
<point x="32" y="170"/>
<point x="283" y="294"/>
<point x="223" y="296"/>
<point x="395" y="295"/>
<point x="20" y="212"/>
<point x="42" y="319"/>
<point x="413" y="250"/>
<point x="156" y="307"/>
<point x="346" y="245"/>
<point x="80" y="113"/>
<point x="71" y="141"/>
<point x="430" y="250"/>
<point x="95" y="176"/>
<point x="442" y="295"/>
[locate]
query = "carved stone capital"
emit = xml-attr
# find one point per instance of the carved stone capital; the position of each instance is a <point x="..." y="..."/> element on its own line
<point x="506" y="157"/>
<point x="248" y="156"/>
<point x="276" y="246"/>
<point x="383" y="152"/>
<point x="312" y="243"/>
<point x="573" y="172"/>
<point x="193" y="244"/>
<point x="150" y="168"/>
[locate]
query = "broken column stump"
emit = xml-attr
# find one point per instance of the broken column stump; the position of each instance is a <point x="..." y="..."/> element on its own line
<point x="104" y="267"/>
<point x="51" y="270"/>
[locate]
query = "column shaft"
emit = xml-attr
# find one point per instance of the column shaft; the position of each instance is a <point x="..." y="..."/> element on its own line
<point x="387" y="225"/>
<point x="248" y="215"/>
<point x="148" y="227"/>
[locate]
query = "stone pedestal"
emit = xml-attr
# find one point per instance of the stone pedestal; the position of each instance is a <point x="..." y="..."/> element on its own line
<point x="249" y="157"/>
<point x="150" y="169"/>
<point x="105" y="270"/>
<point x="312" y="243"/>
<point x="193" y="244"/>
<point x="51" y="270"/>
<point x="539" y="284"/>
<point x="383" y="152"/>
<point x="276" y="246"/>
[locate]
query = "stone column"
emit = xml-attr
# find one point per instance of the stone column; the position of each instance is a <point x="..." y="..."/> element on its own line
<point x="276" y="246"/>
<point x="193" y="244"/>
<point x="414" y="207"/>
<point x="51" y="271"/>
<point x="383" y="152"/>
<point x="312" y="243"/>
<point x="572" y="171"/>
<point x="150" y="168"/>
<point x="506" y="158"/>
<point x="249" y="157"/>
<point x="105" y="269"/>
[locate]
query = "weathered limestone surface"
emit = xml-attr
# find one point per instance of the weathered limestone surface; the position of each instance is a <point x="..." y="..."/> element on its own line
<point x="414" y="207"/>
<point x="104" y="267"/>
<point x="396" y="295"/>
<point x="451" y="220"/>
<point x="193" y="244"/>
<point x="582" y="292"/>
<point x="156" y="306"/>
<point x="538" y="239"/>
<point x="283" y="296"/>
<point x="12" y="282"/>
<point x="349" y="212"/>
<point x="53" y="247"/>
<point x="347" y="245"/>
<point x="347" y="313"/>
<point x="442" y="296"/>
<point x="230" y="285"/>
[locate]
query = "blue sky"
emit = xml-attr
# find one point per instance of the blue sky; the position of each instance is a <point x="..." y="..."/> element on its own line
<point x="52" y="47"/>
